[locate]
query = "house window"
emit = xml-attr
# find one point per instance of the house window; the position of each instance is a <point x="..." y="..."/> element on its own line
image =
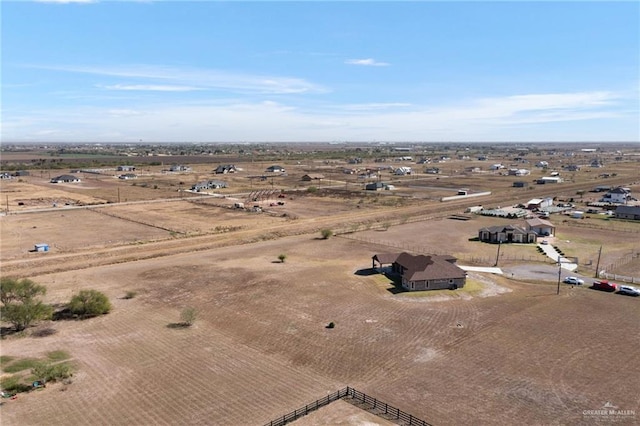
<point x="412" y="285"/>
<point x="450" y="281"/>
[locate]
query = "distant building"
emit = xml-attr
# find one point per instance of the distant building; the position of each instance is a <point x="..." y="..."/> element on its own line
<point x="225" y="168"/>
<point x="549" y="179"/>
<point x="539" y="203"/>
<point x="519" y="172"/>
<point x="520" y="184"/>
<point x="275" y="169"/>
<point x="179" y="168"/>
<point x="432" y="170"/>
<point x="209" y="184"/>
<point x="628" y="212"/>
<point x="618" y="195"/>
<point x="402" y="171"/>
<point x="65" y="179"/>
<point x="126" y="168"/>
<point x="127" y="176"/>
<point x="41" y="247"/>
<point x="374" y="186"/>
<point x="312" y="177"/>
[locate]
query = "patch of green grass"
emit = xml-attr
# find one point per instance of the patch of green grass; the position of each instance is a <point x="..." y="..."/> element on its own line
<point x="20" y="365"/>
<point x="5" y="359"/>
<point x="13" y="385"/>
<point x="470" y="288"/>
<point x="58" y="355"/>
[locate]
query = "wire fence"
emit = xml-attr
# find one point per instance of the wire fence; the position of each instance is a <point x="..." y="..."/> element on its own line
<point x="467" y="258"/>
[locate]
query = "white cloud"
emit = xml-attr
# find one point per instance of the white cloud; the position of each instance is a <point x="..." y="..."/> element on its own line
<point x="66" y="1"/>
<point x="524" y="117"/>
<point x="150" y="87"/>
<point x="202" y="78"/>
<point x="366" y="62"/>
<point x="374" y="106"/>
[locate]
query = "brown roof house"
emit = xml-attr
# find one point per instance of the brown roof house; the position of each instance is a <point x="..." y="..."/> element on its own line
<point x="541" y="227"/>
<point x="424" y="272"/>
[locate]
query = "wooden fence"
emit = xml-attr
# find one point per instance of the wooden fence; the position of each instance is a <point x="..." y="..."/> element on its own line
<point x="373" y="405"/>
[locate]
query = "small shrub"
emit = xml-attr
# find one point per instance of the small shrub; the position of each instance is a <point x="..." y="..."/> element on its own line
<point x="130" y="294"/>
<point x="188" y="316"/>
<point x="331" y="325"/>
<point x="326" y="233"/>
<point x="282" y="257"/>
<point x="312" y="189"/>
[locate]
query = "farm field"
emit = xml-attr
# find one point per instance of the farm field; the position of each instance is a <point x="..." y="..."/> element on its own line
<point x="259" y="348"/>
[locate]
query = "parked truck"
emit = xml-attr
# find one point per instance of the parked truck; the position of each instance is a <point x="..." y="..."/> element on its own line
<point x="604" y="285"/>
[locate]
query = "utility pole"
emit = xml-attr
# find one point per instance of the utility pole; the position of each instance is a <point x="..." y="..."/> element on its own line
<point x="559" y="274"/>
<point x="118" y="195"/>
<point x="498" y="254"/>
<point x="598" y="263"/>
<point x="7" y="204"/>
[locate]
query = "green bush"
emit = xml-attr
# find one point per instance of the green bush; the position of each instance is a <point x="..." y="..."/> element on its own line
<point x="20" y="302"/>
<point x="13" y="385"/>
<point x="47" y="372"/>
<point x="188" y="316"/>
<point x="326" y="233"/>
<point x="130" y="294"/>
<point x="89" y="303"/>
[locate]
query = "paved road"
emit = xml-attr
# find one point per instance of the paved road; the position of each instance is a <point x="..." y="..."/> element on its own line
<point x="541" y="272"/>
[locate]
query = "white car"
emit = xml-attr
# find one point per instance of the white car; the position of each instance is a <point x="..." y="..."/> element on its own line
<point x="628" y="290"/>
<point x="573" y="281"/>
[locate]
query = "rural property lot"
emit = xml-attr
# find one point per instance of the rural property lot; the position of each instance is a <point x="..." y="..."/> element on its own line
<point x="503" y="350"/>
<point x="259" y="348"/>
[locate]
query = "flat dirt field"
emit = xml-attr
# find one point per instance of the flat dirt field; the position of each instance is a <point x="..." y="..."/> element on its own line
<point x="260" y="349"/>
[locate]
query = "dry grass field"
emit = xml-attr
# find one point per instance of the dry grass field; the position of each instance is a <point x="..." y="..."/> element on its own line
<point x="504" y="350"/>
<point x="259" y="347"/>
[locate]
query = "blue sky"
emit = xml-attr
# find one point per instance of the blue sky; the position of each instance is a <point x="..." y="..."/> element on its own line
<point x="210" y="71"/>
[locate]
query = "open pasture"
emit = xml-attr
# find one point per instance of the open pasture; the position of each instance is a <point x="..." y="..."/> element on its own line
<point x="259" y="347"/>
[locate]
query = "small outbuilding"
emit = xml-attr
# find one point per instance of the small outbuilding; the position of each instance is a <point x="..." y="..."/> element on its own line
<point x="41" y="247"/>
